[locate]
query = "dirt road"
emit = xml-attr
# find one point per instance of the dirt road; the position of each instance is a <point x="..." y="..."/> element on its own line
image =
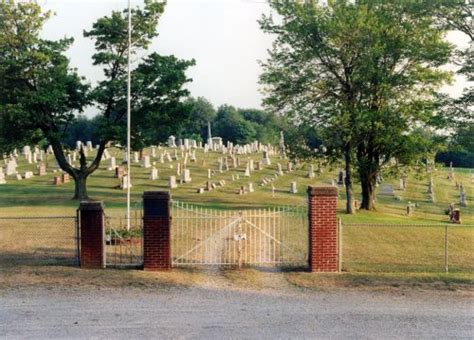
<point x="228" y="313"/>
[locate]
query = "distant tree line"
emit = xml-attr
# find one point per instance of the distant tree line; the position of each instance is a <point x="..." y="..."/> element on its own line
<point x="232" y="124"/>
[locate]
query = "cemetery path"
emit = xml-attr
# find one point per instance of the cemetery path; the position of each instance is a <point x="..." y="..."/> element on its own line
<point x="225" y="313"/>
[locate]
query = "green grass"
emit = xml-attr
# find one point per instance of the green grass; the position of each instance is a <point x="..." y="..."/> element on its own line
<point x="39" y="196"/>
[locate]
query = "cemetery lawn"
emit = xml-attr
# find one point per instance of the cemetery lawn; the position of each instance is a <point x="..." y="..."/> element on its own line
<point x="388" y="256"/>
<point x="39" y="197"/>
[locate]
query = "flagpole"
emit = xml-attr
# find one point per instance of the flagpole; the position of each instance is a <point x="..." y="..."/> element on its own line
<point x="129" y="180"/>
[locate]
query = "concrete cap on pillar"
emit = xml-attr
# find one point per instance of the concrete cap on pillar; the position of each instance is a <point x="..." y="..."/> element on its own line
<point x="156" y="204"/>
<point x="322" y="191"/>
<point x="91" y="205"/>
<point x="156" y="195"/>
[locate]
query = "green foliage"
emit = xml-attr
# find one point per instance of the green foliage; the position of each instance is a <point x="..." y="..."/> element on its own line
<point x="39" y="91"/>
<point x="244" y="126"/>
<point x="157" y="82"/>
<point x="366" y="72"/>
<point x="201" y="112"/>
<point x="40" y="94"/>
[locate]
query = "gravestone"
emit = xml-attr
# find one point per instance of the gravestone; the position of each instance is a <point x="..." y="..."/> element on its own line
<point x="451" y="171"/>
<point x="125" y="183"/>
<point x="2" y="178"/>
<point x="247" y="170"/>
<point x="18" y="177"/>
<point x="28" y="174"/>
<point x="462" y="193"/>
<point x="154" y="174"/>
<point x="251" y="187"/>
<point x="402" y="184"/>
<point x="279" y="170"/>
<point x="11" y="168"/>
<point x="112" y="164"/>
<point x="289" y="167"/>
<point x="186" y="176"/>
<point x="340" y="178"/>
<point x="311" y="171"/>
<point x="386" y="190"/>
<point x="118" y="172"/>
<point x="136" y="159"/>
<point x="146" y="162"/>
<point x="65" y="178"/>
<point x="172" y="182"/>
<point x="293" y="188"/>
<point x="171" y="141"/>
<point x="430" y="186"/>
<point x="57" y="180"/>
<point x="266" y="158"/>
<point x="41" y="170"/>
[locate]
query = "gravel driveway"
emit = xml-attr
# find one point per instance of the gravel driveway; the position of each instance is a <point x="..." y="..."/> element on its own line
<point x="226" y="313"/>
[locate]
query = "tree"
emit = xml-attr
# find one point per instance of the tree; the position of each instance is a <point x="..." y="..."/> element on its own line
<point x="231" y="126"/>
<point x="267" y="125"/>
<point x="201" y="112"/>
<point x="457" y="15"/>
<point x="365" y="72"/>
<point x="40" y="92"/>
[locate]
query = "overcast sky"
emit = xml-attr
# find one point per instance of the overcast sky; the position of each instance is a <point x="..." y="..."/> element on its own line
<point x="223" y="37"/>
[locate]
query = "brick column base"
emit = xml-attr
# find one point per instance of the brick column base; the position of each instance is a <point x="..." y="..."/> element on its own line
<point x="323" y="250"/>
<point x="156" y="231"/>
<point x="91" y="215"/>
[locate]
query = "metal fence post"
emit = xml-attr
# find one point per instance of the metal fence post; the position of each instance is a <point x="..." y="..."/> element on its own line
<point x="446" y="254"/>
<point x="78" y="238"/>
<point x="340" y="243"/>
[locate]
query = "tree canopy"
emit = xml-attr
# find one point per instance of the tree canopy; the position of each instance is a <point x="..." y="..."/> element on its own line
<point x="41" y="94"/>
<point x="366" y="72"/>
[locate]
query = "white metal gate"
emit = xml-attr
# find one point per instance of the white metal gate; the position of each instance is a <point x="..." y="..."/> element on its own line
<point x="273" y="236"/>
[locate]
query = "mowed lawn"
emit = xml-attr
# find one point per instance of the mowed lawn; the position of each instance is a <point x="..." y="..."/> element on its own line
<point x="386" y="248"/>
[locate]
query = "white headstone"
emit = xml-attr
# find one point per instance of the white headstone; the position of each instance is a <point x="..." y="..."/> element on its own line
<point x="172" y="183"/>
<point x="146" y="162"/>
<point x="125" y="182"/>
<point x="311" y="171"/>
<point x="251" y="187"/>
<point x="293" y="188"/>
<point x="154" y="174"/>
<point x="186" y="176"/>
<point x="112" y="164"/>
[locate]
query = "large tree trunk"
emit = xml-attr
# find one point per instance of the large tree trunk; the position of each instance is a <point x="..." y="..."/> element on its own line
<point x="80" y="188"/>
<point x="367" y="182"/>
<point x="348" y="182"/>
<point x="78" y="174"/>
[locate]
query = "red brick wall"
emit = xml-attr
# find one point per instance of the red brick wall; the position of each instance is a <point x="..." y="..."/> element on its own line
<point x="92" y="235"/>
<point x="156" y="231"/>
<point x="323" y="245"/>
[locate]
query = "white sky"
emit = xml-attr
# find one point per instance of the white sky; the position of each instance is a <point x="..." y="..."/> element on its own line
<point x="223" y="36"/>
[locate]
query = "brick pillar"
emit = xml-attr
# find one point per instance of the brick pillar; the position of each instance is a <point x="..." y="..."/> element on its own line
<point x="156" y="231"/>
<point x="323" y="252"/>
<point x="91" y="217"/>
